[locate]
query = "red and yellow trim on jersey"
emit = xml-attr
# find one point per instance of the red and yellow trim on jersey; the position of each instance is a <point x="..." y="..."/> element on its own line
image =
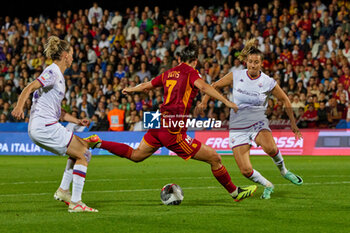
<point x="143" y="139"/>
<point x="174" y="132"/>
<point x="187" y="94"/>
<point x="251" y="78"/>
<point x="42" y="84"/>
<point x="183" y="145"/>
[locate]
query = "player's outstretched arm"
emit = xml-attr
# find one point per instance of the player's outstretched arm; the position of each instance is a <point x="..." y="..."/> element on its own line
<point x="209" y="90"/>
<point x="68" y="117"/>
<point x="223" y="82"/>
<point x="279" y="93"/>
<point x="18" y="110"/>
<point x="139" y="88"/>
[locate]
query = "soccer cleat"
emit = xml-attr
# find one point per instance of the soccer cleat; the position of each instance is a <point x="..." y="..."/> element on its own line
<point x="295" y="179"/>
<point x="80" y="207"/>
<point x="93" y="141"/>
<point x="267" y="193"/>
<point x="245" y="192"/>
<point x="62" y="196"/>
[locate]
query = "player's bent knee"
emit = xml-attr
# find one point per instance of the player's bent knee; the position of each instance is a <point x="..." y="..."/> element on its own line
<point x="270" y="150"/>
<point x="215" y="158"/>
<point x="136" y="156"/>
<point x="247" y="171"/>
<point x="82" y="158"/>
<point x="87" y="155"/>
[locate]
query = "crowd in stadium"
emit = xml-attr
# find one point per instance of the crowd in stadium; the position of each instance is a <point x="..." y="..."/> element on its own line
<point x="306" y="49"/>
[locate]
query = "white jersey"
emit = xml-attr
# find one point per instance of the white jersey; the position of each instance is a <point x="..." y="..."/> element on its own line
<point x="47" y="99"/>
<point x="251" y="97"/>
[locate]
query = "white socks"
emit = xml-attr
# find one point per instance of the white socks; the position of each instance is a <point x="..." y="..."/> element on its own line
<point x="234" y="193"/>
<point x="258" y="178"/>
<point x="278" y="160"/>
<point x="67" y="175"/>
<point x="79" y="173"/>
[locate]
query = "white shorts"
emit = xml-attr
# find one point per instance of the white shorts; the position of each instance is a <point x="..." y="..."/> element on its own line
<point x="53" y="137"/>
<point x="246" y="135"/>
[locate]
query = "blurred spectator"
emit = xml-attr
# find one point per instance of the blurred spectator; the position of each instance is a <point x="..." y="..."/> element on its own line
<point x="145" y="24"/>
<point x="95" y="12"/>
<point x="341" y="91"/>
<point x="8" y="95"/>
<point x="120" y="73"/>
<point x="346" y="50"/>
<point x="116" y="118"/>
<point x="132" y="31"/>
<point x="322" y="116"/>
<point x="117" y="18"/>
<point x="86" y="107"/>
<point x="136" y="124"/>
<point x="345" y="78"/>
<point x="143" y="72"/>
<point x="334" y="115"/>
<point x="310" y="117"/>
<point x="3" y="118"/>
<point x="223" y="48"/>
<point x="296" y="104"/>
<point x="99" y="123"/>
<point x="236" y="65"/>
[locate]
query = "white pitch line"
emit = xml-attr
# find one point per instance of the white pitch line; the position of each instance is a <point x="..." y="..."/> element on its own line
<point x="126" y="179"/>
<point x="146" y="190"/>
<point x="107" y="180"/>
<point x="330" y="176"/>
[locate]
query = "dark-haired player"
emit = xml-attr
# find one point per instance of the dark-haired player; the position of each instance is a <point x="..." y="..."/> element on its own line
<point x="181" y="85"/>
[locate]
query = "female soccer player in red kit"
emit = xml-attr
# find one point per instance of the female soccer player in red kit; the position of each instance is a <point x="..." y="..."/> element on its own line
<point x="181" y="84"/>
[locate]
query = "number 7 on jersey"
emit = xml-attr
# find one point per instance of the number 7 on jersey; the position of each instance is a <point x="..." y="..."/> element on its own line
<point x="171" y="84"/>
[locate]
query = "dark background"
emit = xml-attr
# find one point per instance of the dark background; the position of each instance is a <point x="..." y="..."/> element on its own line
<point x="22" y="9"/>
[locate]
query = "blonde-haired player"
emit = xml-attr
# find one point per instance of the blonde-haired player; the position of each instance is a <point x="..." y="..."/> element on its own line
<point x="251" y="90"/>
<point x="44" y="130"/>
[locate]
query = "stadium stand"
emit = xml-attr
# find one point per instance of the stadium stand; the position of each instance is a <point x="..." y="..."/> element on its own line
<point x="306" y="49"/>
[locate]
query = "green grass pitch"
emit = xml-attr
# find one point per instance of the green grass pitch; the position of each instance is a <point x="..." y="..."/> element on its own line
<point x="128" y="196"/>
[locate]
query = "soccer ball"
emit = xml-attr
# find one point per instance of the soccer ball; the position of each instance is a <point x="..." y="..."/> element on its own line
<point x="171" y="194"/>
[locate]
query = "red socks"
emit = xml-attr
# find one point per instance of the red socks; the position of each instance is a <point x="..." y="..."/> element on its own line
<point x="125" y="151"/>
<point x="119" y="149"/>
<point x="224" y="178"/>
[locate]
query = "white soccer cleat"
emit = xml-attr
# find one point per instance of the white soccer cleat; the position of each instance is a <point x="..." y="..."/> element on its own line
<point x="80" y="207"/>
<point x="62" y="196"/>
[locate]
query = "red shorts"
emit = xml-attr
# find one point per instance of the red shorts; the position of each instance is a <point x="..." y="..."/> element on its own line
<point x="181" y="144"/>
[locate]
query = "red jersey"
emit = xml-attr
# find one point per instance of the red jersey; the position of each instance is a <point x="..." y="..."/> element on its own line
<point x="286" y="57"/>
<point x="310" y="117"/>
<point x="179" y="92"/>
<point x="345" y="80"/>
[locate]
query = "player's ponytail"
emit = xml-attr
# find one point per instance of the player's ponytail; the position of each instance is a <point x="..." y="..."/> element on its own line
<point x="55" y="46"/>
<point x="190" y="53"/>
<point x="249" y="48"/>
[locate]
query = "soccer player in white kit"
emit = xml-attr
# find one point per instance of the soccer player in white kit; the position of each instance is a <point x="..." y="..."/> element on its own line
<point x="44" y="130"/>
<point x="251" y="91"/>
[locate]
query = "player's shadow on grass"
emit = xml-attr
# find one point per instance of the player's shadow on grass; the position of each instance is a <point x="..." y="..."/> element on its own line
<point x="128" y="202"/>
<point x="212" y="202"/>
<point x="53" y="208"/>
